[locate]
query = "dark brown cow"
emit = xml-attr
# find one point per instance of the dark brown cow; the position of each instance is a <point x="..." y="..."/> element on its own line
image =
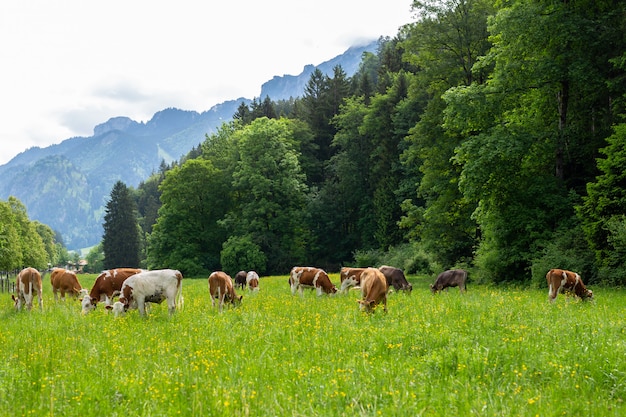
<point x="221" y="289"/>
<point x="561" y="281"/>
<point x="106" y="286"/>
<point x="350" y="277"/>
<point x="395" y="278"/>
<point x="65" y="281"/>
<point x="241" y="279"/>
<point x="309" y="277"/>
<point x="450" y="278"/>
<point x="374" y="289"/>
<point x="27" y="284"/>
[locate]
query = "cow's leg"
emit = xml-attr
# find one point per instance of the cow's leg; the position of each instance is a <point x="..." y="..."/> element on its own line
<point x="141" y="306"/>
<point x="171" y="305"/>
<point x="551" y="293"/>
<point x="56" y="294"/>
<point x="40" y="299"/>
<point x="222" y="297"/>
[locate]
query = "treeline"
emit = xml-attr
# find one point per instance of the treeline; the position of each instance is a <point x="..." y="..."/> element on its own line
<point x="24" y="242"/>
<point x="486" y="134"/>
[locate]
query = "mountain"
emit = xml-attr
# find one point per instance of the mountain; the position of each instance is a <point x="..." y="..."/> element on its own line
<point x="67" y="185"/>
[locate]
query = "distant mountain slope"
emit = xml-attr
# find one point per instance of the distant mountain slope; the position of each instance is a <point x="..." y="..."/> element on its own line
<point x="67" y="185"/>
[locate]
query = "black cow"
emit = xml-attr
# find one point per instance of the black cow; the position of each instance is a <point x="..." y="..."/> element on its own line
<point x="395" y="278"/>
<point x="450" y="278"/>
<point x="240" y="279"/>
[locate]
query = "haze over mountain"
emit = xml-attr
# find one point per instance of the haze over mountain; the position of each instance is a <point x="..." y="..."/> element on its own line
<point x="67" y="185"/>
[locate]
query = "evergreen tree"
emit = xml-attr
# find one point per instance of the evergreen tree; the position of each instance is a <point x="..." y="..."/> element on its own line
<point x="120" y="241"/>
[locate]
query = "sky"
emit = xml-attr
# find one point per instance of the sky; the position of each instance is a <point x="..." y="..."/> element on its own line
<point x="69" y="65"/>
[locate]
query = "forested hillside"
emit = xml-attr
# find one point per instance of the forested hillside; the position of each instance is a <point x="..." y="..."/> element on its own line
<point x="485" y="134"/>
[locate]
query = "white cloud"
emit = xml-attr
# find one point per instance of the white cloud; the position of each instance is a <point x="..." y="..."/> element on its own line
<point x="71" y="64"/>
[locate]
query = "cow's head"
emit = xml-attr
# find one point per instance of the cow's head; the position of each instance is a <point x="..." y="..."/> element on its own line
<point x="236" y="300"/>
<point x="17" y="301"/>
<point x="88" y="304"/>
<point x="366" y="305"/>
<point x="118" y="308"/>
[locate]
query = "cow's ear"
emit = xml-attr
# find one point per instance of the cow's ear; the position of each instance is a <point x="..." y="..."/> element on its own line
<point x="13" y="297"/>
<point x="109" y="307"/>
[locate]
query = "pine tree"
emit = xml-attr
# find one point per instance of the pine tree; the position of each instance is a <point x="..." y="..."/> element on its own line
<point x="120" y="241"/>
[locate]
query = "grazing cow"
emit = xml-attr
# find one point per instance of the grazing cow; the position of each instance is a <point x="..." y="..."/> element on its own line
<point x="221" y="289"/>
<point x="152" y="287"/>
<point x="66" y="281"/>
<point x="252" y="280"/>
<point x="350" y="277"/>
<point x="450" y="278"/>
<point x="395" y="278"/>
<point x="373" y="289"/>
<point x="27" y="284"/>
<point x="106" y="286"/>
<point x="561" y="281"/>
<point x="309" y="277"/>
<point x="241" y="279"/>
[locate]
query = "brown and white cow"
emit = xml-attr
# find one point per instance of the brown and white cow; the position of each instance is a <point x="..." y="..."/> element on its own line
<point x="309" y="277"/>
<point x="561" y="281"/>
<point x="350" y="277"/>
<point x="27" y="285"/>
<point x="151" y="287"/>
<point x="65" y="281"/>
<point x="373" y="289"/>
<point x="241" y="279"/>
<point x="450" y="278"/>
<point x="252" y="280"/>
<point x="106" y="286"/>
<point x="221" y="288"/>
<point x="395" y="278"/>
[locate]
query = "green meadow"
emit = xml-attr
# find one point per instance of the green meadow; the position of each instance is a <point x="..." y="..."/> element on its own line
<point x="494" y="351"/>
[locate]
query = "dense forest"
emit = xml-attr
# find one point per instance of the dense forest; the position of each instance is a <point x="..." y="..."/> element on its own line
<point x="486" y="134"/>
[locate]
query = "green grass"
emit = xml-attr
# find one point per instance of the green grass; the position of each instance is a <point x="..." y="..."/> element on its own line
<point x="490" y="352"/>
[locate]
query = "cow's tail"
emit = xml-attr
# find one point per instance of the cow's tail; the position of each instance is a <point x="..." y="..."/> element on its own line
<point x="180" y="301"/>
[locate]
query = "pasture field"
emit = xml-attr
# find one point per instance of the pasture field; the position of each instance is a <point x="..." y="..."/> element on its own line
<point x="491" y="352"/>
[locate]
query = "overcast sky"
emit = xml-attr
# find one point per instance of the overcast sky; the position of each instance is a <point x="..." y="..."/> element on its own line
<point x="68" y="65"/>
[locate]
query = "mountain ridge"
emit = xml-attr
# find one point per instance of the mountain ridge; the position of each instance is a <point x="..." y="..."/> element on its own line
<point x="67" y="185"/>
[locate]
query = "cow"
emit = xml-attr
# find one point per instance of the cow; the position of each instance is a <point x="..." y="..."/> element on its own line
<point x="65" y="281"/>
<point x="252" y="280"/>
<point x="373" y="290"/>
<point x="221" y="289"/>
<point x="396" y="279"/>
<point x="450" y="278"/>
<point x="241" y="279"/>
<point x="561" y="281"/>
<point x="350" y="277"/>
<point x="106" y="286"/>
<point x="27" y="284"/>
<point x="309" y="277"/>
<point x="151" y="287"/>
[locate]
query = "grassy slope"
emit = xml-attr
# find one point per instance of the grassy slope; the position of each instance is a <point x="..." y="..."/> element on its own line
<point x="492" y="351"/>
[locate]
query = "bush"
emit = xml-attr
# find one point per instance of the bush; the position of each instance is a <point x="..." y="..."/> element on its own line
<point x="241" y="253"/>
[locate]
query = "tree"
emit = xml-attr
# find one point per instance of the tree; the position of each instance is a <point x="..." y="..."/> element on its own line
<point x="187" y="235"/>
<point x="604" y="207"/>
<point x="10" y="247"/>
<point x="120" y="241"/>
<point x="32" y="246"/>
<point x="269" y="190"/>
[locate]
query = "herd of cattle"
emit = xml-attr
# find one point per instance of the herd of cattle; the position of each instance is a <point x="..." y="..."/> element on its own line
<point x="136" y="287"/>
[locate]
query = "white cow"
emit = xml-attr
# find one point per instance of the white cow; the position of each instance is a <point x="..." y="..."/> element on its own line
<point x="252" y="280"/>
<point x="151" y="287"/>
